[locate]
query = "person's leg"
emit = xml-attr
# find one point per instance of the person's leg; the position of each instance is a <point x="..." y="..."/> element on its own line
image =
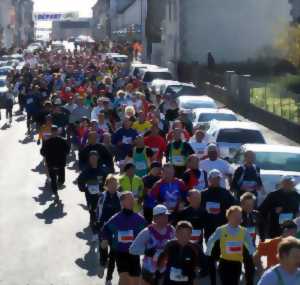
<point x="249" y="268"/>
<point x="103" y="252"/>
<point x="111" y="265"/>
<point x="134" y="269"/>
<point x="212" y="270"/>
<point x="94" y="202"/>
<point x="229" y="272"/>
<point x="28" y="122"/>
<point x="61" y="175"/>
<point x="53" y="177"/>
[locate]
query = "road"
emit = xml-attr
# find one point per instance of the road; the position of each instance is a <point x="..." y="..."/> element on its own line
<point x="40" y="243"/>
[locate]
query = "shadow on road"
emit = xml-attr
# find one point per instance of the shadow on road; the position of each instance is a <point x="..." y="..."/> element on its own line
<point x="20" y="119"/>
<point x="26" y="140"/>
<point x="86" y="234"/>
<point x="40" y="168"/>
<point x="5" y="126"/>
<point x="44" y="197"/>
<point x="84" y="207"/>
<point x="55" y="211"/>
<point x="90" y="261"/>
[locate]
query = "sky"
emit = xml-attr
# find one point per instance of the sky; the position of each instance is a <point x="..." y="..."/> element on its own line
<point x="83" y="6"/>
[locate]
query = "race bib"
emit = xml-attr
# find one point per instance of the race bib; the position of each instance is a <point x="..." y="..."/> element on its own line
<point x="196" y="234"/>
<point x="125" y="236"/>
<point x="93" y="189"/>
<point x="213" y="208"/>
<point x="283" y="217"/>
<point x="177" y="276"/>
<point x="178" y="160"/>
<point x="140" y="165"/>
<point x="29" y="101"/>
<point x="250" y="185"/>
<point x="126" y="140"/>
<point x="251" y="231"/>
<point x="233" y="247"/>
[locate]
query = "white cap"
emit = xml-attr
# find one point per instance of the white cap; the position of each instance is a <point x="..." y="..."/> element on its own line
<point x="160" y="210"/>
<point x="214" y="173"/>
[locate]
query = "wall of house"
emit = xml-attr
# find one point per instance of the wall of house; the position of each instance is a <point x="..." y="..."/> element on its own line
<point x="233" y="30"/>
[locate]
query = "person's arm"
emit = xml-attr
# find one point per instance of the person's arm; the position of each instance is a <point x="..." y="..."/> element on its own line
<point x="248" y="242"/>
<point x="168" y="152"/>
<point x="212" y="241"/>
<point x="269" y="278"/>
<point x="236" y="179"/>
<point x="81" y="182"/>
<point x="138" y="246"/>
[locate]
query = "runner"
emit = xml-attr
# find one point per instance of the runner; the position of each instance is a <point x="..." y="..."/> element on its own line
<point x="179" y="257"/>
<point x="246" y="178"/>
<point x="268" y="248"/>
<point x="194" y="214"/>
<point x="169" y="190"/>
<point x="280" y="206"/>
<point x="178" y="152"/>
<point x="55" y="151"/>
<point x="91" y="181"/>
<point x="108" y="205"/>
<point x="119" y="232"/>
<point x="149" y="180"/>
<point x="287" y="272"/>
<point x="141" y="157"/>
<point x="215" y="201"/>
<point x="129" y="182"/>
<point x="232" y="238"/>
<point x="194" y="177"/>
<point x="250" y="223"/>
<point x="150" y="242"/>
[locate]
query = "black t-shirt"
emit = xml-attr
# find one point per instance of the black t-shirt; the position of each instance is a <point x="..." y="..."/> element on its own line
<point x="182" y="258"/>
<point x="150" y="180"/>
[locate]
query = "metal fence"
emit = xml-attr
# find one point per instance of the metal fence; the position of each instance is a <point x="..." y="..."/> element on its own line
<point x="275" y="99"/>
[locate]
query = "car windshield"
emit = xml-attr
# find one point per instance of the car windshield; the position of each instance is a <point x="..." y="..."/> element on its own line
<point x="278" y="161"/>
<point x="150" y="76"/>
<point x="216" y="116"/>
<point x="120" y="59"/>
<point x="197" y="104"/>
<point x="240" y="136"/>
<point x="180" y="90"/>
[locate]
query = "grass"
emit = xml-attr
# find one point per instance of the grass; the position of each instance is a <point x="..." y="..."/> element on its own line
<point x="271" y="98"/>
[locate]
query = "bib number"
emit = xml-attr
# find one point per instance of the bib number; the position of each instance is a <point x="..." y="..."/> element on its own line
<point x="233" y="247"/>
<point x="93" y="189"/>
<point x="140" y="165"/>
<point x="213" y="208"/>
<point x="178" y="160"/>
<point x="126" y="140"/>
<point x="196" y="234"/>
<point x="125" y="236"/>
<point x="176" y="275"/>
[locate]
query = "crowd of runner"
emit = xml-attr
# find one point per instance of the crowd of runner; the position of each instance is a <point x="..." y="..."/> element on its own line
<point x="165" y="208"/>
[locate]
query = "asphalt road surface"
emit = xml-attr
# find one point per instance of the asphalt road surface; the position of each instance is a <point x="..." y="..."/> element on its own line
<point x="40" y="243"/>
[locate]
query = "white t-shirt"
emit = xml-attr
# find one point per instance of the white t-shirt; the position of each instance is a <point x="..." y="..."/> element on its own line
<point x="270" y="277"/>
<point x="222" y="165"/>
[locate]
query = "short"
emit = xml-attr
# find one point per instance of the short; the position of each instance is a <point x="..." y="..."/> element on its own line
<point x="148" y="276"/>
<point x="128" y="263"/>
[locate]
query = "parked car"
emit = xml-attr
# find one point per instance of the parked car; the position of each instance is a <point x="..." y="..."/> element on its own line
<point x="4" y="70"/>
<point x="274" y="162"/>
<point x="150" y="74"/>
<point x="231" y="136"/>
<point x="3" y="90"/>
<point x="136" y="69"/>
<point x="203" y="117"/>
<point x="190" y="102"/>
<point x="119" y="58"/>
<point x="172" y="87"/>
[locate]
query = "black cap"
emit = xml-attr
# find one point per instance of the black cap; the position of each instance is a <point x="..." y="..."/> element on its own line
<point x="128" y="166"/>
<point x="93" y="153"/>
<point x="155" y="164"/>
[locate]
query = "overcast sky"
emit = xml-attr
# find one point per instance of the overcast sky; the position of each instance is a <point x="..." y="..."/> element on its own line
<point x="83" y="6"/>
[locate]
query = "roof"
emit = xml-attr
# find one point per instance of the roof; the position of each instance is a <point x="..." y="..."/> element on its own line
<point x="194" y="98"/>
<point x="212" y="111"/>
<point x="271" y="148"/>
<point x="235" y="125"/>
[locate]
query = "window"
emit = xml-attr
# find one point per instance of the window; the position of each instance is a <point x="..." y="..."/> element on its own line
<point x="216" y="116"/>
<point x="240" y="136"/>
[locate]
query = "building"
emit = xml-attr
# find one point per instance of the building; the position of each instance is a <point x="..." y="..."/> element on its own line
<point x="101" y="20"/>
<point x="295" y="10"/>
<point x="16" y="23"/>
<point x="233" y="31"/>
<point x="62" y="30"/>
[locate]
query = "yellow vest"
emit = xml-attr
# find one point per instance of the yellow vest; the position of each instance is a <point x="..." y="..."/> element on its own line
<point x="232" y="246"/>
